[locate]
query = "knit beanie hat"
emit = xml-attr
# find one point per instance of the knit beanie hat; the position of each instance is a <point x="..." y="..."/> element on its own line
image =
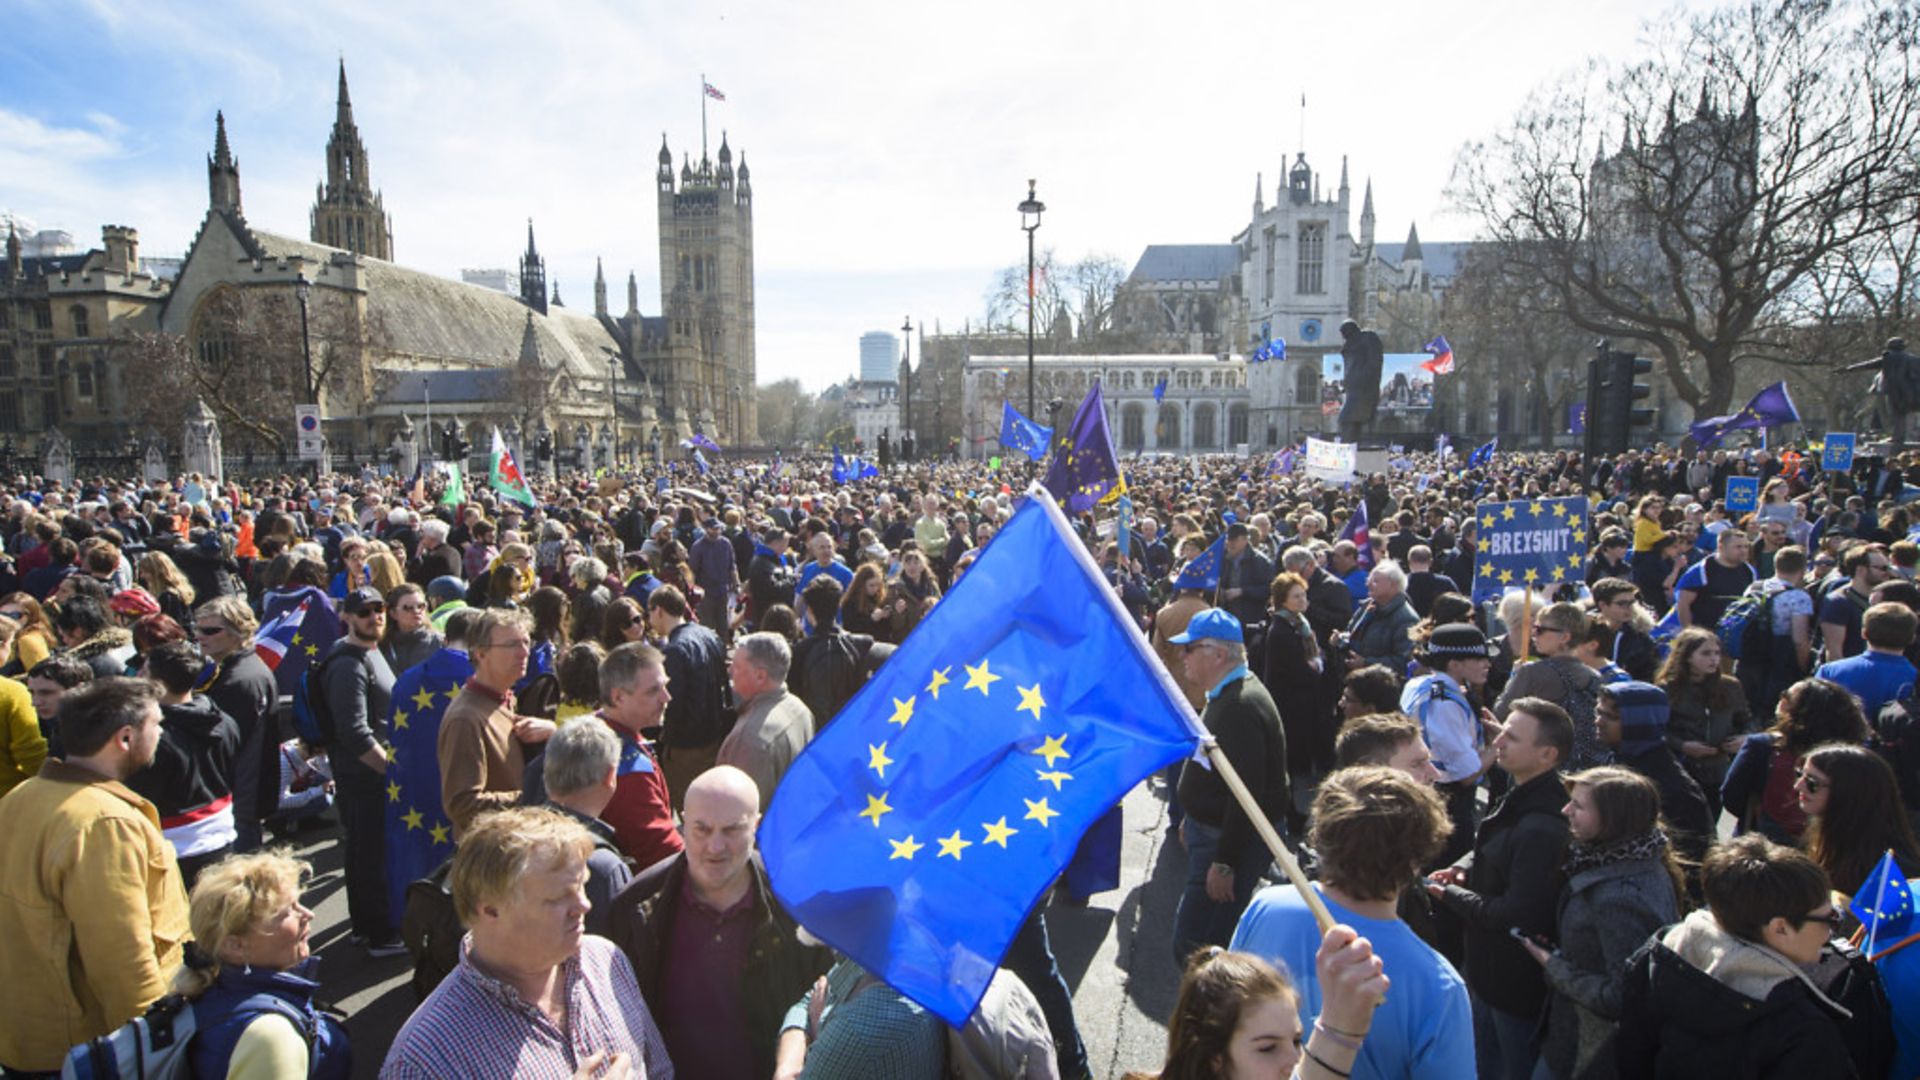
<point x="1643" y="715"/>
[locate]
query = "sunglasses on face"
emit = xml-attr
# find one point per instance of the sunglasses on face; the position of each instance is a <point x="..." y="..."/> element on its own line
<point x="14" y="614"/>
<point x="1833" y="917"/>
<point x="209" y="631"/>
<point x="1813" y="783"/>
<point x="372" y="609"/>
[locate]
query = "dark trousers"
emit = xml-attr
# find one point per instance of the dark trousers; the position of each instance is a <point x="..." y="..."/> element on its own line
<point x="360" y="797"/>
<point x="1030" y="957"/>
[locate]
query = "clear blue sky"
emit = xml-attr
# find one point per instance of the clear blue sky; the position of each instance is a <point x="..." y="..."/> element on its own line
<point x="889" y="142"/>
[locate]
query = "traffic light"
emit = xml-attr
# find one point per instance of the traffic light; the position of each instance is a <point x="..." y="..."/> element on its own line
<point x="1613" y="388"/>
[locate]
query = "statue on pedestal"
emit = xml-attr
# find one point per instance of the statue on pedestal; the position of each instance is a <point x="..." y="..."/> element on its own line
<point x="56" y="458"/>
<point x="200" y="442"/>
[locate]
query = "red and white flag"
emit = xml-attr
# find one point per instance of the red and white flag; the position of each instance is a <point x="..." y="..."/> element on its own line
<point x="712" y="91"/>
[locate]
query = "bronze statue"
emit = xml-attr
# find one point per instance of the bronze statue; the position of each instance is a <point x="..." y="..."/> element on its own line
<point x="1365" y="360"/>
<point x="1897" y="384"/>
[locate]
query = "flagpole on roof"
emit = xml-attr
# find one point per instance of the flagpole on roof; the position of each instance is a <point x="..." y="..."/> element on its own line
<point x="703" y="116"/>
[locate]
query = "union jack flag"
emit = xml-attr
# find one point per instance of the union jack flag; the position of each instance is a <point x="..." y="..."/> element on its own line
<point x="712" y="91"/>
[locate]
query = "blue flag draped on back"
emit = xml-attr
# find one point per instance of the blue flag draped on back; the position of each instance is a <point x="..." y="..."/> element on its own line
<point x="1086" y="469"/>
<point x="1769" y="408"/>
<point x="840" y="473"/>
<point x="419" y="835"/>
<point x="1160" y="390"/>
<point x="318" y="630"/>
<point x="1019" y="433"/>
<point x="918" y="829"/>
<point x="1357" y="531"/>
<point x="275" y="637"/>
<point x="1531" y="543"/>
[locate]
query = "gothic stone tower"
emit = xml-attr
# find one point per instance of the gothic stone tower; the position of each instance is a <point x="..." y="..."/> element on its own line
<point x="706" y="291"/>
<point x="347" y="211"/>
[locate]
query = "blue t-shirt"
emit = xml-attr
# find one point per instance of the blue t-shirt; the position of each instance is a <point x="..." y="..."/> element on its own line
<point x="1874" y="677"/>
<point x="1424" y="1028"/>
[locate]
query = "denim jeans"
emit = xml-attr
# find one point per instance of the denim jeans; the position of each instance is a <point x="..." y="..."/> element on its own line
<point x="1200" y="919"/>
<point x="1031" y="958"/>
<point x="1502" y="1042"/>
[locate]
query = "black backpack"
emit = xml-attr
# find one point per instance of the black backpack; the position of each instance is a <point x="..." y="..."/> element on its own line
<point x="312" y="715"/>
<point x="430" y="928"/>
<point x="831" y="668"/>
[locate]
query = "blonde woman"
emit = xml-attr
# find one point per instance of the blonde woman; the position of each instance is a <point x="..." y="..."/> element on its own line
<point x="386" y="571"/>
<point x="159" y="575"/>
<point x="249" y="972"/>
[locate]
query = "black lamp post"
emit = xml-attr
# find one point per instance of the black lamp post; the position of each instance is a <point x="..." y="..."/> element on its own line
<point x="1030" y="210"/>
<point x="906" y="373"/>
<point x="613" y="393"/>
<point x="303" y="289"/>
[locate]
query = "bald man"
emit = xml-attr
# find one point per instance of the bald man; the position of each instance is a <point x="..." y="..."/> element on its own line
<point x="717" y="958"/>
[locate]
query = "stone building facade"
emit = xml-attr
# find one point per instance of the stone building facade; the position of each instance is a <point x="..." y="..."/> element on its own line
<point x="1204" y="409"/>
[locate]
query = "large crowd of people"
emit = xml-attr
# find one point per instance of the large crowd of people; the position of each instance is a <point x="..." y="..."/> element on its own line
<point x="1609" y="827"/>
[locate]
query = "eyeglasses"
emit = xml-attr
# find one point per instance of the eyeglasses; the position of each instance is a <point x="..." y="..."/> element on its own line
<point x="209" y="631"/>
<point x="1812" y="783"/>
<point x="372" y="609"/>
<point x="14" y="614"/>
<point x="1833" y="917"/>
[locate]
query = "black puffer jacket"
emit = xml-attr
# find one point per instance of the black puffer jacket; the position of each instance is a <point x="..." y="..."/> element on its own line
<point x="1700" y="1003"/>
<point x="193" y="766"/>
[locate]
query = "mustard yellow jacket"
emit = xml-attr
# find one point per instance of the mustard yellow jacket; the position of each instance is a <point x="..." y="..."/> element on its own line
<point x="22" y="747"/>
<point x="91" y="910"/>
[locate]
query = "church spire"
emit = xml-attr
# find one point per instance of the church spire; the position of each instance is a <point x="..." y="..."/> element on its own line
<point x="223" y="172"/>
<point x="1412" y="250"/>
<point x="529" y="344"/>
<point x="1366" y="216"/>
<point x="599" y="288"/>
<point x="14" y="262"/>
<point x="533" y="275"/>
<point x="347" y="212"/>
<point x="633" y="295"/>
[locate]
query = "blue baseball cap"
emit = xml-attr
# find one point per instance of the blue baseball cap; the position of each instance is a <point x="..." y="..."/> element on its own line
<point x="1213" y="623"/>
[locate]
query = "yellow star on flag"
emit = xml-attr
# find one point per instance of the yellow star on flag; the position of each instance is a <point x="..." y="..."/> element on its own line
<point x="1532" y="575"/>
<point x="413" y="819"/>
<point x="1030" y="700"/>
<point x="439" y="834"/>
<point x="1486" y="569"/>
<point x="393" y="791"/>
<point x="313" y="650"/>
<point x="1053" y="749"/>
<point x="876" y="809"/>
<point x="1040" y="812"/>
<point x="902" y="712"/>
<point x="939" y="680"/>
<point x="904" y="849"/>
<point x="423" y="699"/>
<point x="1053" y="778"/>
<point x="1506" y="512"/>
<point x="997" y="832"/>
<point x="953" y="845"/>
<point x="1534" y="508"/>
<point x="979" y="678"/>
<point x="877" y="759"/>
<point x="399" y="719"/>
<point x="1487" y="522"/>
<point x="1573" y="561"/>
<point x="1506" y="577"/>
<point x="297" y="639"/>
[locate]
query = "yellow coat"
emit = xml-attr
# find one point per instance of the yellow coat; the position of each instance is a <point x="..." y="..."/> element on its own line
<point x="22" y="747"/>
<point x="91" y="910"/>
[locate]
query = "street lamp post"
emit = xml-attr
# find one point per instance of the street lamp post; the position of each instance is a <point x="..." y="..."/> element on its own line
<point x="1030" y="209"/>
<point x="302" y="289"/>
<point x="613" y="393"/>
<point x="906" y="373"/>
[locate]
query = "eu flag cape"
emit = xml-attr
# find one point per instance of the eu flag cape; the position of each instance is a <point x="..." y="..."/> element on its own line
<point x="917" y="830"/>
<point x="419" y="834"/>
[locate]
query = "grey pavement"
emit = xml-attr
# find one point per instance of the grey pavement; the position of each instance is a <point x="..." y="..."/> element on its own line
<point x="1114" y="952"/>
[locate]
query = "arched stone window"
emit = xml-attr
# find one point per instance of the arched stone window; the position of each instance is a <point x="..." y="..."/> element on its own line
<point x="1236" y="423"/>
<point x="1169" y="427"/>
<point x="1133" y="426"/>
<point x="1206" y="427"/>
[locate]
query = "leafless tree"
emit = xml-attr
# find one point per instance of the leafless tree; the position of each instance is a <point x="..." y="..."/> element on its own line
<point x="1760" y="140"/>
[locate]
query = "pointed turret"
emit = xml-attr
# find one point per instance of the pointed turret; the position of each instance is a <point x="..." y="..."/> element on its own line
<point x="14" y="262"/>
<point x="664" y="177"/>
<point x="529" y="344"/>
<point x="1705" y="108"/>
<point x="556" y="295"/>
<point x="1412" y="251"/>
<point x="223" y="172"/>
<point x="1366" y="216"/>
<point x="347" y="212"/>
<point x="1343" y="176"/>
<point x="633" y="297"/>
<point x="725" y="172"/>
<point x="533" y="275"/>
<point x="1259" y="192"/>
<point x="599" y="289"/>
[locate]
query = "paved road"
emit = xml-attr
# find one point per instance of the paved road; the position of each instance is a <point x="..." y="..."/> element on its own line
<point x="1114" y="952"/>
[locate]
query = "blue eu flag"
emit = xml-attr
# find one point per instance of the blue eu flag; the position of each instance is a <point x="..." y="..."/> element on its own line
<point x="1203" y="570"/>
<point x="1771" y="407"/>
<point x="1019" y="433"/>
<point x="917" y="831"/>
<point x="419" y="835"/>
<point x="1086" y="470"/>
<point x="1884" y="904"/>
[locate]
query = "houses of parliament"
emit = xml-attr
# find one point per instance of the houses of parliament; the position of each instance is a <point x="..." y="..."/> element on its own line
<point x="391" y="347"/>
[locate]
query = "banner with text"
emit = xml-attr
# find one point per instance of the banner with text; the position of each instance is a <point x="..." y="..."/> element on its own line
<point x="1530" y="542"/>
<point x="1333" y="462"/>
<point x="1743" y="494"/>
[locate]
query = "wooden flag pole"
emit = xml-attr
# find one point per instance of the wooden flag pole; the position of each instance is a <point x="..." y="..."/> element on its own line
<point x="1281" y="855"/>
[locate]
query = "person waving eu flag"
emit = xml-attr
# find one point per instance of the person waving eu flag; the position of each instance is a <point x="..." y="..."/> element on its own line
<point x="916" y="832"/>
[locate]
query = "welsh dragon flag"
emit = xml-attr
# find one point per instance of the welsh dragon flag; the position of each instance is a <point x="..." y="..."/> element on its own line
<point x="503" y="474"/>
